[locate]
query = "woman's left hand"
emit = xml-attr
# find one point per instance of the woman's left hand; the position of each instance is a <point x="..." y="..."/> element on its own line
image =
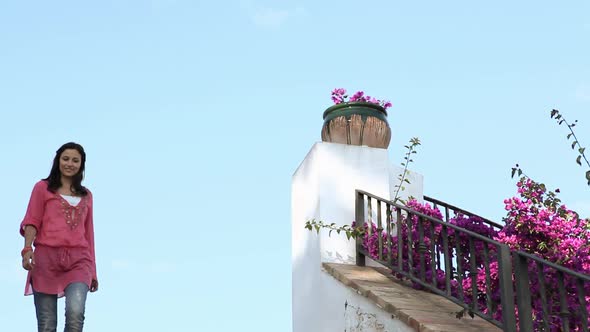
<point x="94" y="285"/>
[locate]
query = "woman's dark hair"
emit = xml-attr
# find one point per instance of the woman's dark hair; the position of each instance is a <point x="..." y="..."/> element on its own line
<point x="54" y="178"/>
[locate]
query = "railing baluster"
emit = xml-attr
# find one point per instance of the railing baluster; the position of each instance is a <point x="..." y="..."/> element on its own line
<point x="543" y="294"/>
<point x="459" y="265"/>
<point x="564" y="313"/>
<point x="421" y="249"/>
<point x="360" y="222"/>
<point x="369" y="216"/>
<point x="583" y="306"/>
<point x="523" y="293"/>
<point x="379" y="231"/>
<point x="389" y="220"/>
<point x="447" y="257"/>
<point x="473" y="273"/>
<point x="410" y="245"/>
<point x="506" y="290"/>
<point x="436" y="254"/>
<point x="433" y="254"/>
<point x="400" y="240"/>
<point x="486" y="264"/>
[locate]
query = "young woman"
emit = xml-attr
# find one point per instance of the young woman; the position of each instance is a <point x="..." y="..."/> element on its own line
<point x="59" y="241"/>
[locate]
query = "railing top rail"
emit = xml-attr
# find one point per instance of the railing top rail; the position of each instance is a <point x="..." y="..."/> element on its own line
<point x="458" y="209"/>
<point x="438" y="221"/>
<point x="558" y="267"/>
<point x="373" y="196"/>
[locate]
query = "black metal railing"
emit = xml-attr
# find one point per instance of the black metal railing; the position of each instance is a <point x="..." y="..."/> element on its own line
<point x="450" y="211"/>
<point x="457" y="264"/>
<point x="566" y="310"/>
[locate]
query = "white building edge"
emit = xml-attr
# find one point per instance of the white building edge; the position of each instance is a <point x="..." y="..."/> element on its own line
<point x="323" y="188"/>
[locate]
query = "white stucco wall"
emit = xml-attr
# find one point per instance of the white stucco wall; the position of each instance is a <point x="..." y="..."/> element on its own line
<point x="323" y="188"/>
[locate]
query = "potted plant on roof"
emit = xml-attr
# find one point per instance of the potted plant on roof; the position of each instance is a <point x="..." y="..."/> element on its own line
<point x="358" y="120"/>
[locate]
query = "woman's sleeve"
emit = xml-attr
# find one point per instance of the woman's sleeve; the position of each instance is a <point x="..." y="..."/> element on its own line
<point x="36" y="208"/>
<point x="89" y="226"/>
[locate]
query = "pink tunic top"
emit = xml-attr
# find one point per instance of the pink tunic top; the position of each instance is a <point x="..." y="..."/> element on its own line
<point x="64" y="245"/>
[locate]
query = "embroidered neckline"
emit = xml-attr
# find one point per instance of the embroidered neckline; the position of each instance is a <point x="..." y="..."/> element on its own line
<point x="71" y="213"/>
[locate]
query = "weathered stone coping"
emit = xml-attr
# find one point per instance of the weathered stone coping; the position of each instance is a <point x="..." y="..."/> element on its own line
<point x="423" y="311"/>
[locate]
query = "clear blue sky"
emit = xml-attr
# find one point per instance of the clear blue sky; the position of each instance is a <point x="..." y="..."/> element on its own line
<point x="195" y="115"/>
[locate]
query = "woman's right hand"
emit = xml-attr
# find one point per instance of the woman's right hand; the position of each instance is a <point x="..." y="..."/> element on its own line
<point x="29" y="260"/>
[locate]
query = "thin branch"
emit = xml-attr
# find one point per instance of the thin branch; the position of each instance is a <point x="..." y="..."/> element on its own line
<point x="414" y="142"/>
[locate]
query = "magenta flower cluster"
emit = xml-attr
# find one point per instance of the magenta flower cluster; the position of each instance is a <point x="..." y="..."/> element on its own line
<point x="411" y="250"/>
<point x="539" y="224"/>
<point x="536" y="223"/>
<point x="339" y="96"/>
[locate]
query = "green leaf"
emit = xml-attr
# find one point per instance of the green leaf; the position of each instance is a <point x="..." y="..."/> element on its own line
<point x="588" y="175"/>
<point x="330" y="233"/>
<point x="579" y="160"/>
<point x="513" y="172"/>
<point x="573" y="125"/>
<point x="581" y="150"/>
<point x="574" y="144"/>
<point x="569" y="135"/>
<point x="407" y="181"/>
<point x="519" y="172"/>
<point x="553" y="112"/>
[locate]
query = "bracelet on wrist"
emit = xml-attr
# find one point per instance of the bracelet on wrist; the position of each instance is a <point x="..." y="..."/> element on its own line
<point x="26" y="250"/>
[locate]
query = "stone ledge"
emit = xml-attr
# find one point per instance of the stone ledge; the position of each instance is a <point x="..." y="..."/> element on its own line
<point x="423" y="311"/>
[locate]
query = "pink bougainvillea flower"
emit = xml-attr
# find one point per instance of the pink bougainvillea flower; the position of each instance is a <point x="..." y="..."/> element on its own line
<point x="339" y="91"/>
<point x="337" y="99"/>
<point x="339" y="96"/>
<point x="373" y="100"/>
<point x="357" y="96"/>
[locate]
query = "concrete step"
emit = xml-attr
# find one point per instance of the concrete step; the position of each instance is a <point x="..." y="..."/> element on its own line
<point x="423" y="311"/>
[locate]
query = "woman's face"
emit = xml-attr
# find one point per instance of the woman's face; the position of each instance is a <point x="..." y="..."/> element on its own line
<point x="69" y="162"/>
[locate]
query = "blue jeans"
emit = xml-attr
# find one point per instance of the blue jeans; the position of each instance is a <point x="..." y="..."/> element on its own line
<point x="46" y="308"/>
